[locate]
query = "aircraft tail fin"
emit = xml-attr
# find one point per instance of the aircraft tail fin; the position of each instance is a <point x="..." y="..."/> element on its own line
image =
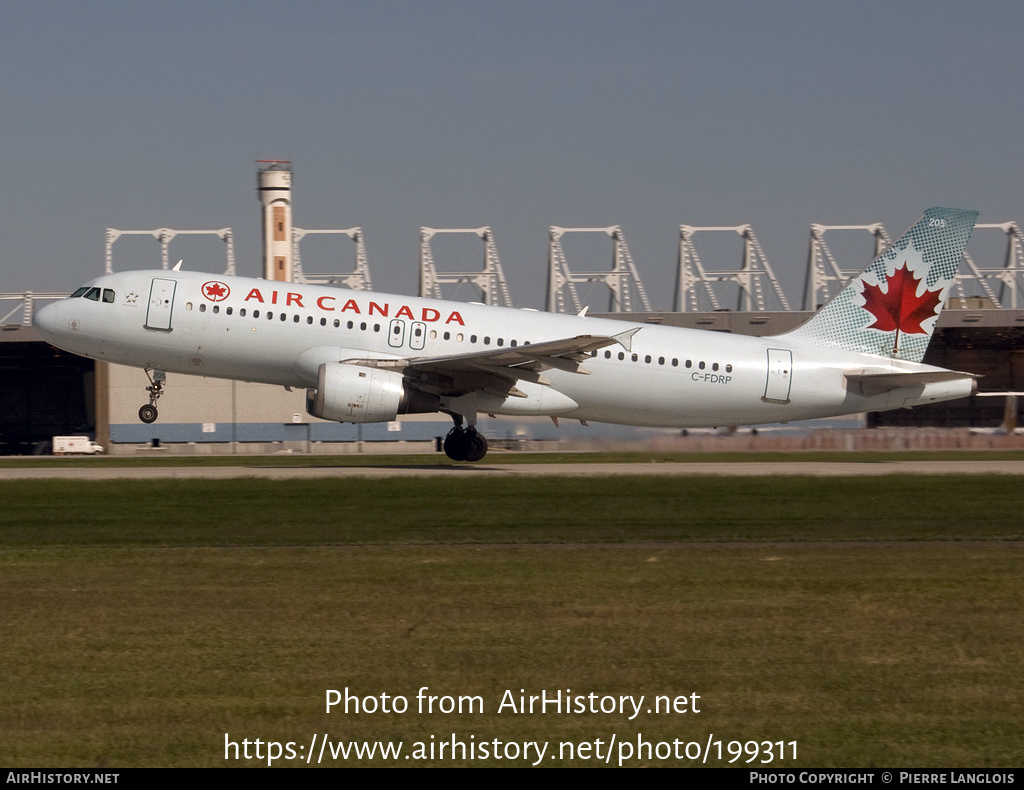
<point x="891" y="308"/>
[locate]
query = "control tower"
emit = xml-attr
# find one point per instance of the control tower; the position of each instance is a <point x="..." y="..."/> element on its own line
<point x="274" y="184"/>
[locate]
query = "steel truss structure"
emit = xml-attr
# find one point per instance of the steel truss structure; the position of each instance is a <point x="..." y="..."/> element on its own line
<point x="26" y="303"/>
<point x="698" y="288"/>
<point x="824" y="277"/>
<point x="1008" y="276"/>
<point x="999" y="286"/>
<point x="358" y="279"/>
<point x="751" y="286"/>
<point x="490" y="280"/>
<point x="165" y="236"/>
<point x="622" y="279"/>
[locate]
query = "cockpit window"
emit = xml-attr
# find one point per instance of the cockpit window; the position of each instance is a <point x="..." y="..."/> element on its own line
<point x="95" y="294"/>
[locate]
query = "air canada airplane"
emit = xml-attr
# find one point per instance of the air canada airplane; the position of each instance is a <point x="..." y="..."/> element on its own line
<point x="368" y="357"/>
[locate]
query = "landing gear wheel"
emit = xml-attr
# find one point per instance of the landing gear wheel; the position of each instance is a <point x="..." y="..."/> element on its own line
<point x="476" y="445"/>
<point x="455" y="445"/>
<point x="465" y="445"/>
<point x="155" y="389"/>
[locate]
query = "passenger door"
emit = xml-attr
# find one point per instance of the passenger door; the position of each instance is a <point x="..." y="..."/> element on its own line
<point x="780" y="376"/>
<point x="161" y="304"/>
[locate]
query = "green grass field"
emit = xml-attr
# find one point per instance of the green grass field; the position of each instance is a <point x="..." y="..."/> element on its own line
<point x="503" y="457"/>
<point x="873" y="621"/>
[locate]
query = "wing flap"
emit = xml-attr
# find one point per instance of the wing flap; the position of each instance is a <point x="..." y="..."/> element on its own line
<point x="560" y="354"/>
<point x="497" y="370"/>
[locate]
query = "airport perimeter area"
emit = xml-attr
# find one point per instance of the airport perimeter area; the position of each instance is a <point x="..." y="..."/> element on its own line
<point x="852" y="621"/>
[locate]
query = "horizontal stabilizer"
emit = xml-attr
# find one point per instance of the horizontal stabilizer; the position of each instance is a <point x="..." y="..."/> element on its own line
<point x="870" y="383"/>
<point x="999" y="394"/>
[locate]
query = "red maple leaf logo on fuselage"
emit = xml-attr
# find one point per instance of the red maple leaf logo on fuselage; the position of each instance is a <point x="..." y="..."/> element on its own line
<point x="216" y="291"/>
<point x="899" y="307"/>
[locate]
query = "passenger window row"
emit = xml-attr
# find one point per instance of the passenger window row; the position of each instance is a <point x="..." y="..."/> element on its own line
<point x="446" y="335"/>
<point x="107" y="295"/>
<point x="362" y="325"/>
<point x="648" y="359"/>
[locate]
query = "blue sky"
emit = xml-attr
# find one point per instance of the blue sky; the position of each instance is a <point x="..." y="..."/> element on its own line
<point x="514" y="115"/>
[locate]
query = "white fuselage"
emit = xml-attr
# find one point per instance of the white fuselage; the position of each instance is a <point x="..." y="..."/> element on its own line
<point x="279" y="333"/>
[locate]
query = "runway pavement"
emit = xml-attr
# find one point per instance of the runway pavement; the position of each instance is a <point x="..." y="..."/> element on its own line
<point x="370" y="470"/>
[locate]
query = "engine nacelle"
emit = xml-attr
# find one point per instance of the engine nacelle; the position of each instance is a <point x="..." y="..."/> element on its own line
<point x="352" y="393"/>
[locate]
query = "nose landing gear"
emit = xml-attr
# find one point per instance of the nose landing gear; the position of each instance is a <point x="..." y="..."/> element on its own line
<point x="148" y="413"/>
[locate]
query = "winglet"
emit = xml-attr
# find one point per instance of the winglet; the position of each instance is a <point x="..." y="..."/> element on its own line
<point x="625" y="339"/>
<point x="177" y="266"/>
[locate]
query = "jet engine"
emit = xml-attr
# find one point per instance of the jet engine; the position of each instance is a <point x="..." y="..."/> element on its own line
<point x="353" y="393"/>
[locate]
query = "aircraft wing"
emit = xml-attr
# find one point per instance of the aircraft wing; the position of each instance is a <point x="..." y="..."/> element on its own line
<point x="497" y="370"/>
<point x="872" y="383"/>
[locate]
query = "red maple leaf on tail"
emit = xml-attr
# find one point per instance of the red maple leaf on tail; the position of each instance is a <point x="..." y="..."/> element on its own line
<point x="900" y="307"/>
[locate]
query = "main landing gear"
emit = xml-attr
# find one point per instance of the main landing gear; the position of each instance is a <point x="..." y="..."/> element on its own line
<point x="464" y="444"/>
<point x="155" y="389"/>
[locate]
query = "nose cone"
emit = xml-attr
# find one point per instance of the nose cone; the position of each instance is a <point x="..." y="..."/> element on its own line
<point x="45" y="321"/>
